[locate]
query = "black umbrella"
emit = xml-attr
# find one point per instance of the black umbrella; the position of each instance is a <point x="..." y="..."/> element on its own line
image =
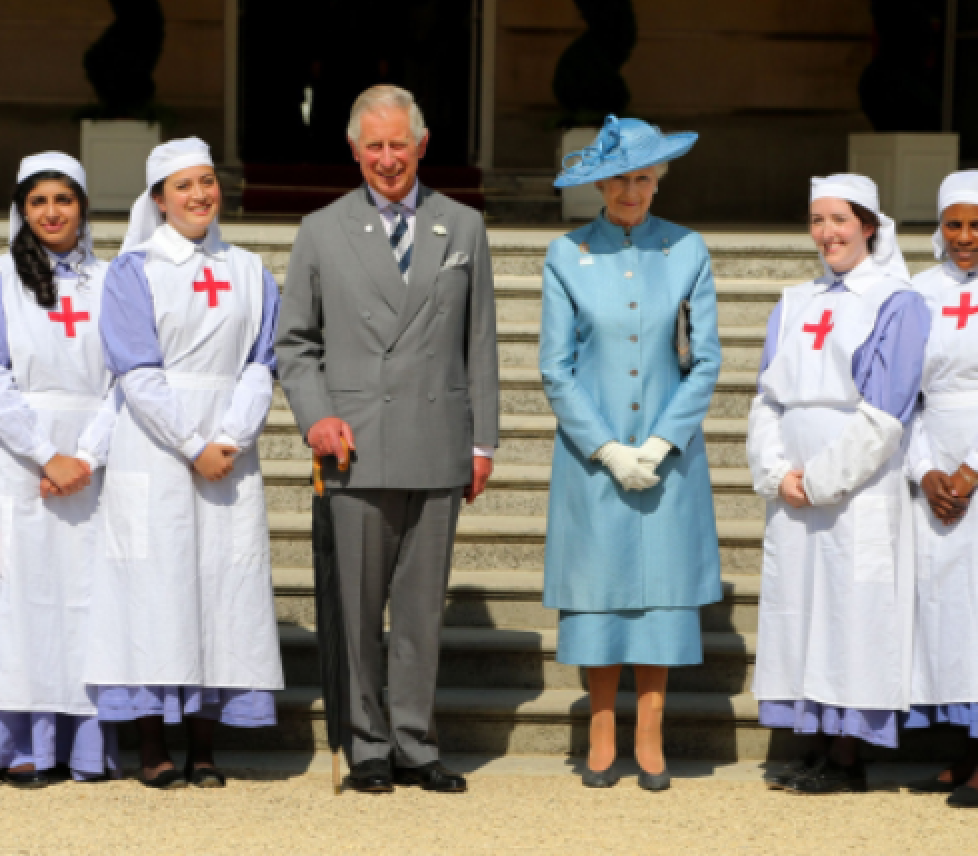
<point x="330" y="633"/>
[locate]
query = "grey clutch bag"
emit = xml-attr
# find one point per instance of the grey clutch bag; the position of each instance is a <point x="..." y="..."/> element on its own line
<point x="683" y="332"/>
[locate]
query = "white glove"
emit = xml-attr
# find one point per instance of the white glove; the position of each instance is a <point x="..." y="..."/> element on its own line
<point x="630" y="470"/>
<point x="654" y="450"/>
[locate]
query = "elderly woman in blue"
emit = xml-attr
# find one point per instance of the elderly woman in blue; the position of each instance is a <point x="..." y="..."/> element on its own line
<point x="631" y="539"/>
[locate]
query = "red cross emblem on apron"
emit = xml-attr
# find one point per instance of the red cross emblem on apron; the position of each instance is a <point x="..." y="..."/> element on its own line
<point x="962" y="311"/>
<point x="212" y="287"/>
<point x="821" y="330"/>
<point x="68" y="317"/>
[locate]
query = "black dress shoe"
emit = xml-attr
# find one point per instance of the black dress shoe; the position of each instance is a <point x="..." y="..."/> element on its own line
<point x="371" y="777"/>
<point x="167" y="780"/>
<point x="31" y="779"/>
<point x="798" y="768"/>
<point x="964" y="796"/>
<point x="933" y="785"/>
<point x="431" y="777"/>
<point x="827" y="777"/>
<point x="203" y="777"/>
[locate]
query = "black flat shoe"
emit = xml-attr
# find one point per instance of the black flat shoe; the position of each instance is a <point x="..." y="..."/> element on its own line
<point x="827" y="777"/>
<point x="963" y="796"/>
<point x="933" y="785"/>
<point x="798" y="768"/>
<point x="600" y="779"/>
<point x="204" y="777"/>
<point x="371" y="777"/>
<point x="167" y="780"/>
<point x="431" y="777"/>
<point x="29" y="780"/>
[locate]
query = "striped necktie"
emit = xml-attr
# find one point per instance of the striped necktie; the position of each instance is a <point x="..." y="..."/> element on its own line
<point x="401" y="242"/>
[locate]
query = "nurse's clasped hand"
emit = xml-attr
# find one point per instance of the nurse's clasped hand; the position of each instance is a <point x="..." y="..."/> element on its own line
<point x="629" y="468"/>
<point x="947" y="500"/>
<point x="792" y="489"/>
<point x="67" y="474"/>
<point x="216" y="461"/>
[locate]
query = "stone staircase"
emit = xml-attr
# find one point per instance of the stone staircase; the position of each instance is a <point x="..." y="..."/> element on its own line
<point x="500" y="687"/>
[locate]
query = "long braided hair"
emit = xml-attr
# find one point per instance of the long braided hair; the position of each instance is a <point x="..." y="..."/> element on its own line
<point x="28" y="253"/>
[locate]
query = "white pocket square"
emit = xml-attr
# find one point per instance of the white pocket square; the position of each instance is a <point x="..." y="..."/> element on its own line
<point x="456" y="260"/>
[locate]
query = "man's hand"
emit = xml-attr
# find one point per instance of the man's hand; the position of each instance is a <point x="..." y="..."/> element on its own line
<point x="216" y="461"/>
<point x="947" y="505"/>
<point x="324" y="437"/>
<point x="481" y="470"/>
<point x="793" y="491"/>
<point x="69" y="475"/>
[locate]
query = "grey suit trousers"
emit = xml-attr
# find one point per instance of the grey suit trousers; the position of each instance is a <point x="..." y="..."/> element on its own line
<point x="393" y="545"/>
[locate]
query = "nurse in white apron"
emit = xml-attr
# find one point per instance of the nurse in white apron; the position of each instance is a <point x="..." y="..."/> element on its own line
<point x="839" y="380"/>
<point x="57" y="409"/>
<point x="943" y="461"/>
<point x="183" y="607"/>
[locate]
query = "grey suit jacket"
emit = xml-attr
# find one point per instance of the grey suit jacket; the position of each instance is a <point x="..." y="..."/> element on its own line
<point x="413" y="368"/>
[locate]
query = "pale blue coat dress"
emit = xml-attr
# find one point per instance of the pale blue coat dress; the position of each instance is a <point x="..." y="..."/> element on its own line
<point x="629" y="570"/>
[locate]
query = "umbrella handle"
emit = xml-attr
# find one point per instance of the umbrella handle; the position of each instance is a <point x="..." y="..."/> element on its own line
<point x="337" y="775"/>
<point x="342" y="464"/>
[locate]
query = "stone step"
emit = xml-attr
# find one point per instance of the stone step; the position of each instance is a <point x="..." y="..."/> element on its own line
<point x="740" y="302"/>
<point x="513" y="489"/>
<point x="491" y="542"/>
<point x="519" y="345"/>
<point x="514" y="599"/>
<point x="517" y="658"/>
<point x="707" y="725"/>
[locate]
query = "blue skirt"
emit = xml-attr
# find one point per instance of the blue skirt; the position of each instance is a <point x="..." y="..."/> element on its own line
<point x="238" y="708"/>
<point x="661" y="636"/>
<point x="804" y="716"/>
<point x="964" y="714"/>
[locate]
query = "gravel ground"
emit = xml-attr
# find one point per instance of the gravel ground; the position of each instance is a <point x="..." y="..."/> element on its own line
<point x="500" y="814"/>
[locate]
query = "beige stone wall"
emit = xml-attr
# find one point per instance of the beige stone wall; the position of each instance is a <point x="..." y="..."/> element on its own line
<point x="700" y="56"/>
<point x="42" y="81"/>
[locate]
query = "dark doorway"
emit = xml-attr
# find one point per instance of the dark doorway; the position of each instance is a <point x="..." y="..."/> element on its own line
<point x="304" y="62"/>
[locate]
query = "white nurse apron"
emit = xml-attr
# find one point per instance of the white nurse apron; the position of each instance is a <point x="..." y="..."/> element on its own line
<point x="184" y="586"/>
<point x="836" y="604"/>
<point x="47" y="547"/>
<point x="946" y="638"/>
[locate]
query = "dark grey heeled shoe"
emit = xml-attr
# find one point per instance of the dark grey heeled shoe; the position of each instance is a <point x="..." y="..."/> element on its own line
<point x="603" y="779"/>
<point x="654" y="781"/>
<point x="963" y="796"/>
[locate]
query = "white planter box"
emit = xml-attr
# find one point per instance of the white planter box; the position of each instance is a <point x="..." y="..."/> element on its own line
<point x="583" y="202"/>
<point x="908" y="168"/>
<point x="114" y="155"/>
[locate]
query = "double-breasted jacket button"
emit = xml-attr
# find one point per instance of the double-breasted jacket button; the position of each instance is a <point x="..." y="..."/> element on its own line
<point x="431" y="396"/>
<point x="387" y="398"/>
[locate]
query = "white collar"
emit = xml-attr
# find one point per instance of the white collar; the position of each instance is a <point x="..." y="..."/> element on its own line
<point x="952" y="271"/>
<point x="410" y="202"/>
<point x="169" y="244"/>
<point x="859" y="280"/>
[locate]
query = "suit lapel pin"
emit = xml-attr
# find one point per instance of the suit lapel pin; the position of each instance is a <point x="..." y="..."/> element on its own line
<point x="369" y="227"/>
<point x="438" y="229"/>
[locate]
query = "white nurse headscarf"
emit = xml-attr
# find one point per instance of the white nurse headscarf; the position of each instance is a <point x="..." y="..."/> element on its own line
<point x="957" y="188"/>
<point x="863" y="191"/>
<point x="51" y="162"/>
<point x="145" y="217"/>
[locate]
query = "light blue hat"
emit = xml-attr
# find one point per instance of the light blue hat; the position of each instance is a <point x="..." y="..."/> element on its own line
<point x="621" y="146"/>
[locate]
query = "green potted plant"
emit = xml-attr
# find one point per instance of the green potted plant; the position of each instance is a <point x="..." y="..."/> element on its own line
<point x="588" y="85"/>
<point x="119" y="131"/>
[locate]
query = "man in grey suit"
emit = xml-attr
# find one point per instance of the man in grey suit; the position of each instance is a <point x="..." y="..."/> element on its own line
<point x="387" y="343"/>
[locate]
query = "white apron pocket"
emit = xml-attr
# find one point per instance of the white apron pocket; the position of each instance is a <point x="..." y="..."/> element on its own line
<point x="877" y="524"/>
<point x="126" y="498"/>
